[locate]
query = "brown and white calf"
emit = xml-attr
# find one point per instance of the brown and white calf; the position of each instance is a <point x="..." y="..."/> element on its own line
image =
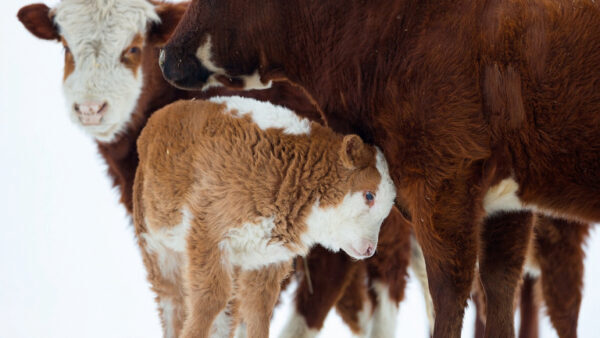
<point x="239" y="188"/>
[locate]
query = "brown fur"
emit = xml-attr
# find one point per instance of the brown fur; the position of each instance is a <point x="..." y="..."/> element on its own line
<point x="460" y="94"/>
<point x="192" y="153"/>
<point x="556" y="248"/>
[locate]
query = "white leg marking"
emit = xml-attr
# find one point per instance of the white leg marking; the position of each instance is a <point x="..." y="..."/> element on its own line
<point x="168" y="317"/>
<point x="417" y="264"/>
<point x="221" y="327"/>
<point x="296" y="327"/>
<point x="385" y="313"/>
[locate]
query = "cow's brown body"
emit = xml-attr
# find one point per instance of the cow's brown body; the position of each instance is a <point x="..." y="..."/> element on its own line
<point x="461" y="95"/>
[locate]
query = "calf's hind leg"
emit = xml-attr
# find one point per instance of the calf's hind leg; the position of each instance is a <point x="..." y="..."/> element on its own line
<point x="258" y="291"/>
<point x="208" y="284"/>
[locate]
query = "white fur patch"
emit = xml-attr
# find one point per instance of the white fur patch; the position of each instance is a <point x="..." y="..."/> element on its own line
<point x="205" y="55"/>
<point x="253" y="81"/>
<point x="240" y="331"/>
<point x="251" y="247"/>
<point x="338" y="227"/>
<point x="169" y="245"/>
<point x="385" y="313"/>
<point x="364" y="318"/>
<point x="417" y="265"/>
<point x="221" y="326"/>
<point x="502" y="197"/>
<point x="266" y="115"/>
<point x="297" y="327"/>
<point x="168" y="317"/>
<point x="97" y="32"/>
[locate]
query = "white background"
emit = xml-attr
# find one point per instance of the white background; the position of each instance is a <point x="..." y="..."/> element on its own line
<point x="69" y="264"/>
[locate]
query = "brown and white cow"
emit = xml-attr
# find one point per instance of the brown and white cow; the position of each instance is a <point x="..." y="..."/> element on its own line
<point x="462" y="96"/>
<point x="112" y="83"/>
<point x="239" y="187"/>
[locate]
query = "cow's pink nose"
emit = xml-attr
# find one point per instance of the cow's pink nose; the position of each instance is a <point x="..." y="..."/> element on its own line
<point x="90" y="113"/>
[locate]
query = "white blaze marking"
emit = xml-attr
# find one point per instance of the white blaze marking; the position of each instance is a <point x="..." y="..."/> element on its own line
<point x="205" y="55"/>
<point x="266" y="115"/>
<point x="97" y="32"/>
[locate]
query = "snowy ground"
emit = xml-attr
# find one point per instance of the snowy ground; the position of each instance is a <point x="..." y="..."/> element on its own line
<point x="68" y="260"/>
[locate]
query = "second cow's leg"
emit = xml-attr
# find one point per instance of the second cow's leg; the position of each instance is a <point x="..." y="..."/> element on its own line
<point x="504" y="243"/>
<point x="330" y="273"/>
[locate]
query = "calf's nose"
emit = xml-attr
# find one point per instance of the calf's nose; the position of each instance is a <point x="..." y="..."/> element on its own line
<point x="365" y="248"/>
<point x="90" y="108"/>
<point x="91" y="112"/>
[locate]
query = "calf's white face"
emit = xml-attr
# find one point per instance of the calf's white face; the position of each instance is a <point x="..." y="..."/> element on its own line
<point x="103" y="41"/>
<point x="353" y="225"/>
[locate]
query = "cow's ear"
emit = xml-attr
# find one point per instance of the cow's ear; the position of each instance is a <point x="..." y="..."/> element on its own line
<point x="354" y="154"/>
<point x="37" y="19"/>
<point x="170" y="14"/>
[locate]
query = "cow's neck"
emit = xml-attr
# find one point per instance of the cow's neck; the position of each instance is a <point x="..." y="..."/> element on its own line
<point x="347" y="94"/>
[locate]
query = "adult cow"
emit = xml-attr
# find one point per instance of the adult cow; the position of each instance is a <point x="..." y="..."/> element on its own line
<point x="480" y="107"/>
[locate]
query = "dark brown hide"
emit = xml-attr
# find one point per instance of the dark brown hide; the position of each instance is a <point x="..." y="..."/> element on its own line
<point x="458" y="94"/>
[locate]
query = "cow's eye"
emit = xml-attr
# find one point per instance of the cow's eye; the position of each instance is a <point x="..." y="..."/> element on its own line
<point x="134" y="50"/>
<point x="369" y="198"/>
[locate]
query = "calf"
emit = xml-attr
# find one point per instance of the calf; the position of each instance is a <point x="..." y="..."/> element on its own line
<point x="248" y="186"/>
<point x="464" y="97"/>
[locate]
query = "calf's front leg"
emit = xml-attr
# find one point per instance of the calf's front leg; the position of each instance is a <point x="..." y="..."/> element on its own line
<point x="258" y="291"/>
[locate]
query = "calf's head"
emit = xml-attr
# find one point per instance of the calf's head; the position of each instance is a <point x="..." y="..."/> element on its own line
<point x="349" y="213"/>
<point x="222" y="43"/>
<point x="105" y="42"/>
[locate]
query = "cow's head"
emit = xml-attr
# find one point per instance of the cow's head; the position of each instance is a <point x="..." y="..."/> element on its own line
<point x="222" y="43"/>
<point x="349" y="212"/>
<point x="105" y="42"/>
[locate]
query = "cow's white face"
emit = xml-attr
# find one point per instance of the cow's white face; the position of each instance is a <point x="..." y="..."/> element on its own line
<point x="103" y="43"/>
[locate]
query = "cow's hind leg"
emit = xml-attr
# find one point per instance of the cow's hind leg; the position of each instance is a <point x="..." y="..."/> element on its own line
<point x="330" y="273"/>
<point x="504" y="243"/>
<point x="559" y="252"/>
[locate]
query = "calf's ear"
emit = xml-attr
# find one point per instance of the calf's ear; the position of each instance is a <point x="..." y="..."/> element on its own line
<point x="37" y="19"/>
<point x="170" y="14"/>
<point x="354" y="154"/>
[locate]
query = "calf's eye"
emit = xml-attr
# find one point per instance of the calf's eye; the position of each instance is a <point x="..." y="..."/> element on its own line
<point x="134" y="50"/>
<point x="369" y="198"/>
